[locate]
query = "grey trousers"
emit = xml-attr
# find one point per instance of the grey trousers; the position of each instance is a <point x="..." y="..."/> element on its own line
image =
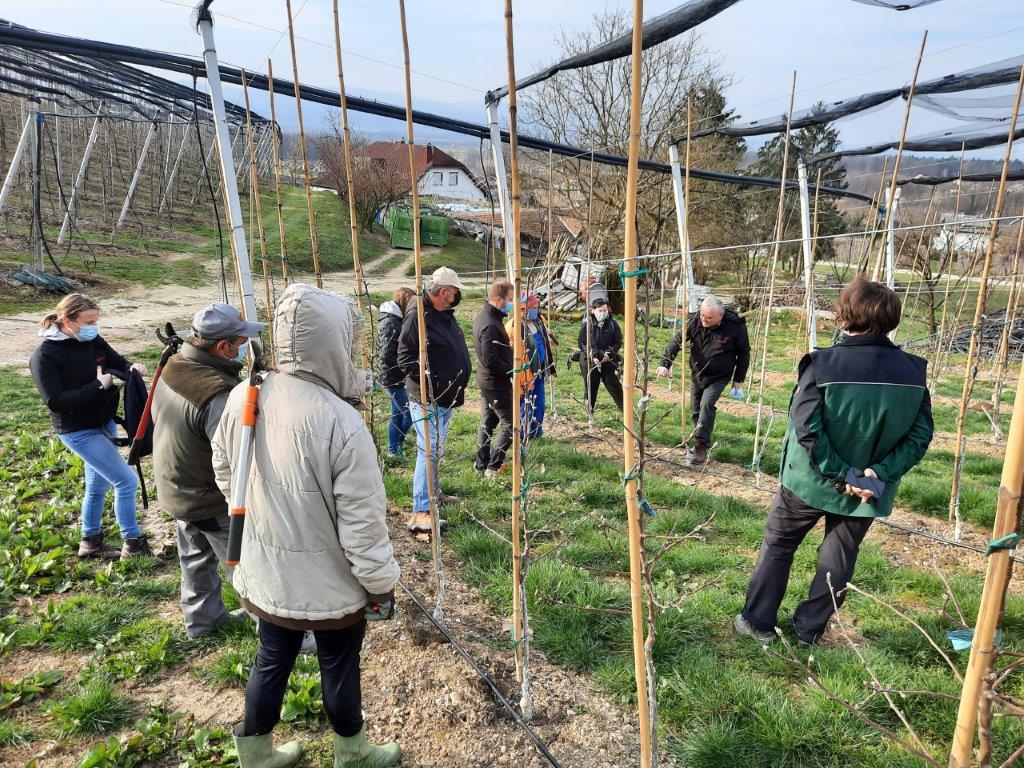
<point x="703" y="401"/>
<point x="201" y="546"/>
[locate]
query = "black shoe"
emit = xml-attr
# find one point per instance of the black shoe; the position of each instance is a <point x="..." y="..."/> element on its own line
<point x="700" y="454"/>
<point x="93" y="547"/>
<point x="135" y="547"/>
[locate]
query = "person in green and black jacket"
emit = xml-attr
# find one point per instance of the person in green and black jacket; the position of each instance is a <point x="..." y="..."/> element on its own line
<point x="860" y="418"/>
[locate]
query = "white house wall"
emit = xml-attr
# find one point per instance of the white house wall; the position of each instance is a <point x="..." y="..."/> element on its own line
<point x="454" y="183"/>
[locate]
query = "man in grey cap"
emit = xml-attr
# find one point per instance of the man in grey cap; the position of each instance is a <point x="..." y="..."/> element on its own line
<point x="187" y="406"/>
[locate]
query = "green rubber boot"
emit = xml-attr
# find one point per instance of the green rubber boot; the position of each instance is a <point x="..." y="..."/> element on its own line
<point x="357" y="752"/>
<point x="259" y="752"/>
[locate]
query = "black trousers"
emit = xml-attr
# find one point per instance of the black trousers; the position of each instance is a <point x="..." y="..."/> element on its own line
<point x="789" y="522"/>
<point x="337" y="650"/>
<point x="495" y="409"/>
<point x="703" y="404"/>
<point x="595" y="375"/>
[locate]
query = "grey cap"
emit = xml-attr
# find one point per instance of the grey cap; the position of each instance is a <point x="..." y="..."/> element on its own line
<point x="223" y="321"/>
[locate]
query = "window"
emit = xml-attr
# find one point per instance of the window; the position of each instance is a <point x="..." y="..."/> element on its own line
<point x="453" y="178"/>
<point x="438" y="178"/>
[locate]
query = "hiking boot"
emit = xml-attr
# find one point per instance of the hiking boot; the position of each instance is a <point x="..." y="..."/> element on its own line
<point x="359" y="751"/>
<point x="700" y="453"/>
<point x="745" y="628"/>
<point x="136" y="547"/>
<point x="444" y="499"/>
<point x="491" y="474"/>
<point x="259" y="752"/>
<point x="396" y="458"/>
<point x="93" y="547"/>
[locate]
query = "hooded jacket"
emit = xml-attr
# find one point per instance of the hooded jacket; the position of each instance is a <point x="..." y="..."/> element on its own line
<point x="493" y="350"/>
<point x="315" y="545"/>
<point x="447" y="356"/>
<point x="716" y="354"/>
<point x="389" y="374"/>
<point x="64" y="370"/>
<point x="605" y="339"/>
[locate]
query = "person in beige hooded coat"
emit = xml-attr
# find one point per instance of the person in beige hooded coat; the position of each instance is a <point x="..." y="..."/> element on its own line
<point x="315" y="552"/>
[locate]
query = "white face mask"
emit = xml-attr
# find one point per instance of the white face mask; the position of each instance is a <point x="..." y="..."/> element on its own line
<point x="601" y="315"/>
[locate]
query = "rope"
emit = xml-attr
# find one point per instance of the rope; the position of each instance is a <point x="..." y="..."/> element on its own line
<point x="1009" y="541"/>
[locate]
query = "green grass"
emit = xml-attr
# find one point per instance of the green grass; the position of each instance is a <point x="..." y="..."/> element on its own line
<point x="87" y="620"/>
<point x="462" y="254"/>
<point x="95" y="706"/>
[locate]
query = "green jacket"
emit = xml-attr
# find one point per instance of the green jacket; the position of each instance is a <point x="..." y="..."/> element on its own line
<point x="861" y="403"/>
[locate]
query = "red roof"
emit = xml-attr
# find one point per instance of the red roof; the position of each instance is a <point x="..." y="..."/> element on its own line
<point x="533" y="222"/>
<point x="425" y="157"/>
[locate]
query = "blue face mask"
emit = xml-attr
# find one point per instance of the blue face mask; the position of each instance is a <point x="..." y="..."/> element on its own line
<point x="242" y="352"/>
<point x="87" y="332"/>
<point x="533" y="314"/>
<point x="507" y="309"/>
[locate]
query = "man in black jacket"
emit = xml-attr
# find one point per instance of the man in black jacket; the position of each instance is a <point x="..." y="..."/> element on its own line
<point x="493" y="376"/>
<point x="447" y="374"/>
<point x="719" y="354"/>
<point x="599" y="343"/>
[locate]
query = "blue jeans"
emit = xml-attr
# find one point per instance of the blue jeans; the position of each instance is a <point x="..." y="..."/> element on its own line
<point x="401" y="419"/>
<point x="438" y="435"/>
<point x="105" y="467"/>
<point x="532" y="409"/>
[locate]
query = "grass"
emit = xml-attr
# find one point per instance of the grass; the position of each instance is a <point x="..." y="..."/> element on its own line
<point x="96" y="706"/>
<point x="87" y="620"/>
<point x="462" y="254"/>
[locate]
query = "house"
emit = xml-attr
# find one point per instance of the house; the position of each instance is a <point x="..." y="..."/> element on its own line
<point x="961" y="233"/>
<point x="533" y="228"/>
<point x="439" y="174"/>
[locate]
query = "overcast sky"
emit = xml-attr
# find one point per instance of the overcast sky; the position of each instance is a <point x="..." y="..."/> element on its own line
<point x="838" y="48"/>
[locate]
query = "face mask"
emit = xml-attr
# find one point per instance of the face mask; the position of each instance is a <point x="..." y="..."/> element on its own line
<point x="87" y="332"/>
<point x="601" y="315"/>
<point x="457" y="299"/>
<point x="242" y="352"/>
<point x="533" y="314"/>
<point x="507" y="309"/>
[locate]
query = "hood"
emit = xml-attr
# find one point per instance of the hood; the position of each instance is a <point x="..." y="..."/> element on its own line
<point x="53" y="333"/>
<point x="319" y="336"/>
<point x="391" y="307"/>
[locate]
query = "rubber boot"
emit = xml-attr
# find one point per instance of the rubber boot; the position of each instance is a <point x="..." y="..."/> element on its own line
<point x="358" y="752"/>
<point x="259" y="752"/>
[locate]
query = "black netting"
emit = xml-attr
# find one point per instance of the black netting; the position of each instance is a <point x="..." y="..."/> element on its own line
<point x="904" y="6"/>
<point x="972" y="136"/>
<point x="986" y="76"/>
<point x="934" y="181"/>
<point x="983" y="108"/>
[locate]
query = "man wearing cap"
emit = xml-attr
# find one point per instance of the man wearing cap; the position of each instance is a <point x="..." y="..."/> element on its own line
<point x="448" y="371"/>
<point x="187" y="405"/>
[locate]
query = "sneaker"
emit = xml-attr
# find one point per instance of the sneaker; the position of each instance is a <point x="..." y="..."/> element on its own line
<point x="135" y="547"/>
<point x="745" y="628"/>
<point x="93" y="547"/>
<point x="490" y="474"/>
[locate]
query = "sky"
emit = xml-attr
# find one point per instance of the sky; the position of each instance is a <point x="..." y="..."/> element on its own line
<point x="838" y="48"/>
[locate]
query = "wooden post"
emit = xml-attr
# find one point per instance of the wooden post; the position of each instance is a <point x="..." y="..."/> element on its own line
<point x="254" y="182"/>
<point x="1012" y="303"/>
<point x="513" y="239"/>
<point x="425" y="400"/>
<point x="314" y="244"/>
<point x="779" y="223"/>
<point x="628" y="404"/>
<point x="899" y="154"/>
<point x="276" y="143"/>
<point x="979" y="310"/>
<point x="685" y="267"/>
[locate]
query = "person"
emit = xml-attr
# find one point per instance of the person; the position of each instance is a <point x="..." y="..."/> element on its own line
<point x="541" y="349"/>
<point x="390" y="374"/>
<point x="72" y="370"/>
<point x="860" y="416"/>
<point x="599" y="357"/>
<point x="187" y="405"/>
<point x="448" y="369"/>
<point x="493" y="377"/>
<point x="315" y="549"/>
<point x="719" y="354"/>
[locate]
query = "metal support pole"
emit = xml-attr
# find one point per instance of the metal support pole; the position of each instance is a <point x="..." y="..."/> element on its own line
<point x="678" y="195"/>
<point x="19" y="152"/>
<point x="80" y="179"/>
<point x="805" y="231"/>
<point x="174" y="169"/>
<point x="201" y="176"/>
<point x="501" y="182"/>
<point x="135" y="177"/>
<point x="227" y="167"/>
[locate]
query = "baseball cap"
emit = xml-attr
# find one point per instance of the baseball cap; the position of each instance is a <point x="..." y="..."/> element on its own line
<point x="446" y="276"/>
<point x="223" y="321"/>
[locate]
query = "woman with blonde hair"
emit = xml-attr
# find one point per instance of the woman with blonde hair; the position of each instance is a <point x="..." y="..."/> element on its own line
<point x="71" y="368"/>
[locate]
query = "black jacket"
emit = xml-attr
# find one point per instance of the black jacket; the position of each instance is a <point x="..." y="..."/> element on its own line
<point x="388" y="372"/>
<point x="605" y="338"/>
<point x="65" y="375"/>
<point x="447" y="356"/>
<point x="716" y="354"/>
<point x="493" y="350"/>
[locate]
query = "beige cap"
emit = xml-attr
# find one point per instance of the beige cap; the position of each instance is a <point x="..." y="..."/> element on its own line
<point x="445" y="276"/>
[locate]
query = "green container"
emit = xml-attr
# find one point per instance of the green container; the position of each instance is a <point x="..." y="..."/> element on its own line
<point x="433" y="229"/>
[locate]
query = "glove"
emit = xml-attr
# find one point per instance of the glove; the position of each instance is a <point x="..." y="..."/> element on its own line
<point x="380" y="607"/>
<point x="858" y="479"/>
<point x="736" y="393"/>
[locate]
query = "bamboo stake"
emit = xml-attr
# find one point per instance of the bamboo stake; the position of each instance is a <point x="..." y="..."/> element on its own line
<point x="948" y="265"/>
<point x="914" y="261"/>
<point x="629" y="375"/>
<point x="979" y="310"/>
<point x="865" y="257"/>
<point x="1012" y="308"/>
<point x="771" y="281"/>
<point x="276" y="143"/>
<point x="899" y="153"/>
<point x="257" y="203"/>
<point x="425" y="399"/>
<point x="684" y="273"/>
<point x="586" y="288"/>
<point x="519" y="639"/>
<point x="314" y="244"/>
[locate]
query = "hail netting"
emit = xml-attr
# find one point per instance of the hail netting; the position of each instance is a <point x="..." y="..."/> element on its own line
<point x="905" y="6"/>
<point x="962" y="137"/>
